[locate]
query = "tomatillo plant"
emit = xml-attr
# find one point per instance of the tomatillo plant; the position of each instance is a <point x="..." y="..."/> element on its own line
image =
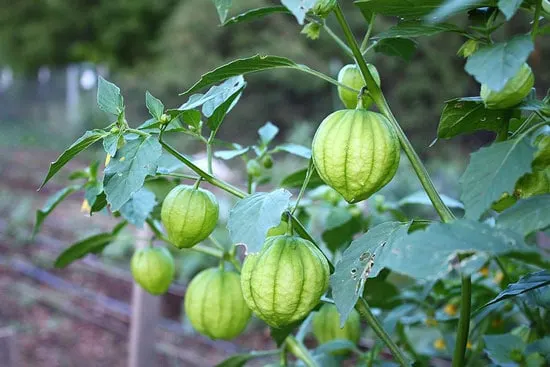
<point x="471" y="288"/>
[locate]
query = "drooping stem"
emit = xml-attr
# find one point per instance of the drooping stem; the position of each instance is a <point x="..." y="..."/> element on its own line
<point x="298" y="227"/>
<point x="364" y="310"/>
<point x="337" y="39"/>
<point x="378" y="97"/>
<point x="206" y="176"/>
<point x="365" y="42"/>
<point x="300" y="351"/>
<point x="309" y="172"/>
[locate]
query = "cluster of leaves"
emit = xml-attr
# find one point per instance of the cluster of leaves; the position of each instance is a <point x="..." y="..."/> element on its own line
<point x="406" y="268"/>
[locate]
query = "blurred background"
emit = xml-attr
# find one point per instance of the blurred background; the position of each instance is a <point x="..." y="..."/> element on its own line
<point x="51" y="53"/>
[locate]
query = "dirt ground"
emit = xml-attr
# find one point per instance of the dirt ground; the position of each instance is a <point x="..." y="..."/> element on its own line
<point x="78" y="316"/>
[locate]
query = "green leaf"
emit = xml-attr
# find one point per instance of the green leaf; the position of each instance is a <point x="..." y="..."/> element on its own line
<point x="336" y="345"/>
<point x="527" y="216"/>
<point x="256" y="14"/>
<point x="420" y="197"/>
<point x="501" y="348"/>
<point x="509" y="7"/>
<point x="400" y="47"/>
<point x="381" y="294"/>
<point x="423" y="254"/>
<point x="494" y="65"/>
<point x="241" y="67"/>
<point x="493" y="171"/>
<point x="78" y="146"/>
<point x="237" y="360"/>
<point x="299" y="8"/>
<point x="225" y="96"/>
<point x="417" y="8"/>
<point x="50" y="205"/>
<point x="298" y="150"/>
<point x="527" y="283"/>
<point x="466" y="115"/>
<point x="128" y="168"/>
<point x="112" y="141"/>
<point x="254" y="215"/>
<point x="100" y="202"/>
<point x="92" y="244"/>
<point x="154" y="105"/>
<point x="296" y="179"/>
<point x="399" y="8"/>
<point x="138" y="208"/>
<point x="222" y="6"/>
<point x="267" y="133"/>
<point x="93" y="190"/>
<point x="452" y="7"/>
<point x="541" y="346"/>
<point x="109" y="98"/>
<point x="230" y="154"/>
<point x="345" y="280"/>
<point x="340" y="226"/>
<point x="167" y="163"/>
<point x="413" y="29"/>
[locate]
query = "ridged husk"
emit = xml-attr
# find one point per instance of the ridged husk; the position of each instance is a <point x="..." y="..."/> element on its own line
<point x="514" y="91"/>
<point x="214" y="304"/>
<point x="356" y="152"/>
<point x="326" y="326"/>
<point x="285" y="280"/>
<point x="153" y="269"/>
<point x="189" y="215"/>
<point x="350" y="75"/>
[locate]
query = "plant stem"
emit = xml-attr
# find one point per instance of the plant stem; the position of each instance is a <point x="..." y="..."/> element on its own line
<point x="304" y="185"/>
<point x="327" y="78"/>
<point x="364" y="310"/>
<point x="443" y="211"/>
<point x="459" y="357"/>
<point x="206" y="176"/>
<point x="176" y="175"/>
<point x="338" y="41"/>
<point x="378" y="97"/>
<point x="298" y="227"/>
<point x="365" y="42"/>
<point x="209" y="151"/>
<point x="536" y="20"/>
<point x="300" y="351"/>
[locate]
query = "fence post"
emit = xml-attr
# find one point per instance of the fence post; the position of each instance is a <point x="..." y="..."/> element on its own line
<point x="143" y="323"/>
<point x="8" y="347"/>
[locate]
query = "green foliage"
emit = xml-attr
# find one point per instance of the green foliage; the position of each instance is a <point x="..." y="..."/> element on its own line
<point x="466" y="115"/>
<point x="494" y="65"/>
<point x="493" y="171"/>
<point x="252" y="217"/>
<point x="392" y="254"/>
<point x="126" y="172"/>
<point x="120" y="33"/>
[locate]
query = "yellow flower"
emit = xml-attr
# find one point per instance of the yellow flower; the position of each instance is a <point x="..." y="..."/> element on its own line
<point x="484" y="271"/>
<point x="498" y="277"/>
<point x="450" y="309"/>
<point x="469" y="345"/>
<point x="439" y="344"/>
<point x="85" y="208"/>
<point x="430" y="321"/>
